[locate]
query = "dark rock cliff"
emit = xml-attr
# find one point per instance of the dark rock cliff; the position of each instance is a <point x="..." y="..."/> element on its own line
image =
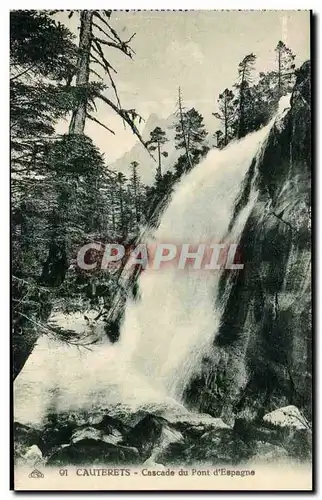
<point x="261" y="357"/>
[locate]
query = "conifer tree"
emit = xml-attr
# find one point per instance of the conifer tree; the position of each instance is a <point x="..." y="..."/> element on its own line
<point x="182" y="128"/>
<point x="285" y="68"/>
<point x="226" y="114"/>
<point x="190" y="136"/>
<point x="245" y="70"/>
<point x="218" y="135"/>
<point x="156" y="142"/>
<point x="136" y="191"/>
<point x="42" y="53"/>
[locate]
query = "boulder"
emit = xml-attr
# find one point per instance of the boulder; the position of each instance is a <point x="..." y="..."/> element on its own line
<point x="25" y="434"/>
<point x="112" y="429"/>
<point x="86" y="433"/>
<point x="195" y="428"/>
<point x="33" y="457"/>
<point x="168" y="438"/>
<point x="94" y="452"/>
<point x="146" y="434"/>
<point x="153" y="465"/>
<point x="288" y="416"/>
<point x="66" y="428"/>
<point x="110" y="425"/>
<point x="217" y="447"/>
<point x="24" y="438"/>
<point x="53" y="438"/>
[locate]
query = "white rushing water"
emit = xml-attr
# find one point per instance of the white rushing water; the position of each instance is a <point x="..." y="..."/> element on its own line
<point x="167" y="331"/>
<point x="164" y="334"/>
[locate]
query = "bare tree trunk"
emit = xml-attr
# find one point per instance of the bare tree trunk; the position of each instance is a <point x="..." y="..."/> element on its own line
<point x="77" y="124"/>
<point x="159" y="160"/>
<point x="183" y="131"/>
<point x="241" y="121"/>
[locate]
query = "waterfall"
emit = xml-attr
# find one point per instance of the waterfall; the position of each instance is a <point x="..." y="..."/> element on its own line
<point x="168" y="329"/>
<point x="166" y="333"/>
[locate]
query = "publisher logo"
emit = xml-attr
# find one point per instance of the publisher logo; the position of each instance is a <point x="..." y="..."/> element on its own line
<point x="36" y="474"/>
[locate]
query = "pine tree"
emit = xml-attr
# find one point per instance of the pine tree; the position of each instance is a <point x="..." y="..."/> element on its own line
<point x="39" y="46"/>
<point x="264" y="100"/>
<point x="226" y="114"/>
<point x="42" y="54"/>
<point x="136" y="191"/>
<point x="156" y="142"/>
<point x="285" y="68"/>
<point x="190" y="136"/>
<point x="182" y="128"/>
<point x="218" y="135"/>
<point x="243" y="101"/>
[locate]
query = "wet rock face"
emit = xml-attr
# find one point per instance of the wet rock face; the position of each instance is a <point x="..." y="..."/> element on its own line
<point x="261" y="358"/>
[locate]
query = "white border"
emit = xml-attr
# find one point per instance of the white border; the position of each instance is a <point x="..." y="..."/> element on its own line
<point x="163" y="5"/>
<point x="4" y="186"/>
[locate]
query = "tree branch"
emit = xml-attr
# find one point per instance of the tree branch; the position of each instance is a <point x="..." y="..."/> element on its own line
<point x="56" y="335"/>
<point x="102" y="31"/>
<point x="23" y="72"/>
<point x="96" y="14"/>
<point x="123" y="114"/>
<point x="90" y="117"/>
<point x="98" y="50"/>
<point x="122" y="46"/>
<point x="108" y="66"/>
<point x="97" y="61"/>
<point x="95" y="73"/>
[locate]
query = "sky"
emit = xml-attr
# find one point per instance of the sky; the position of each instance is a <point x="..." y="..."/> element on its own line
<point x="196" y="50"/>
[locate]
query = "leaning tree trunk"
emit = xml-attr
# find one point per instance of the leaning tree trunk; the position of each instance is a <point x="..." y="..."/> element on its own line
<point x="77" y="124"/>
